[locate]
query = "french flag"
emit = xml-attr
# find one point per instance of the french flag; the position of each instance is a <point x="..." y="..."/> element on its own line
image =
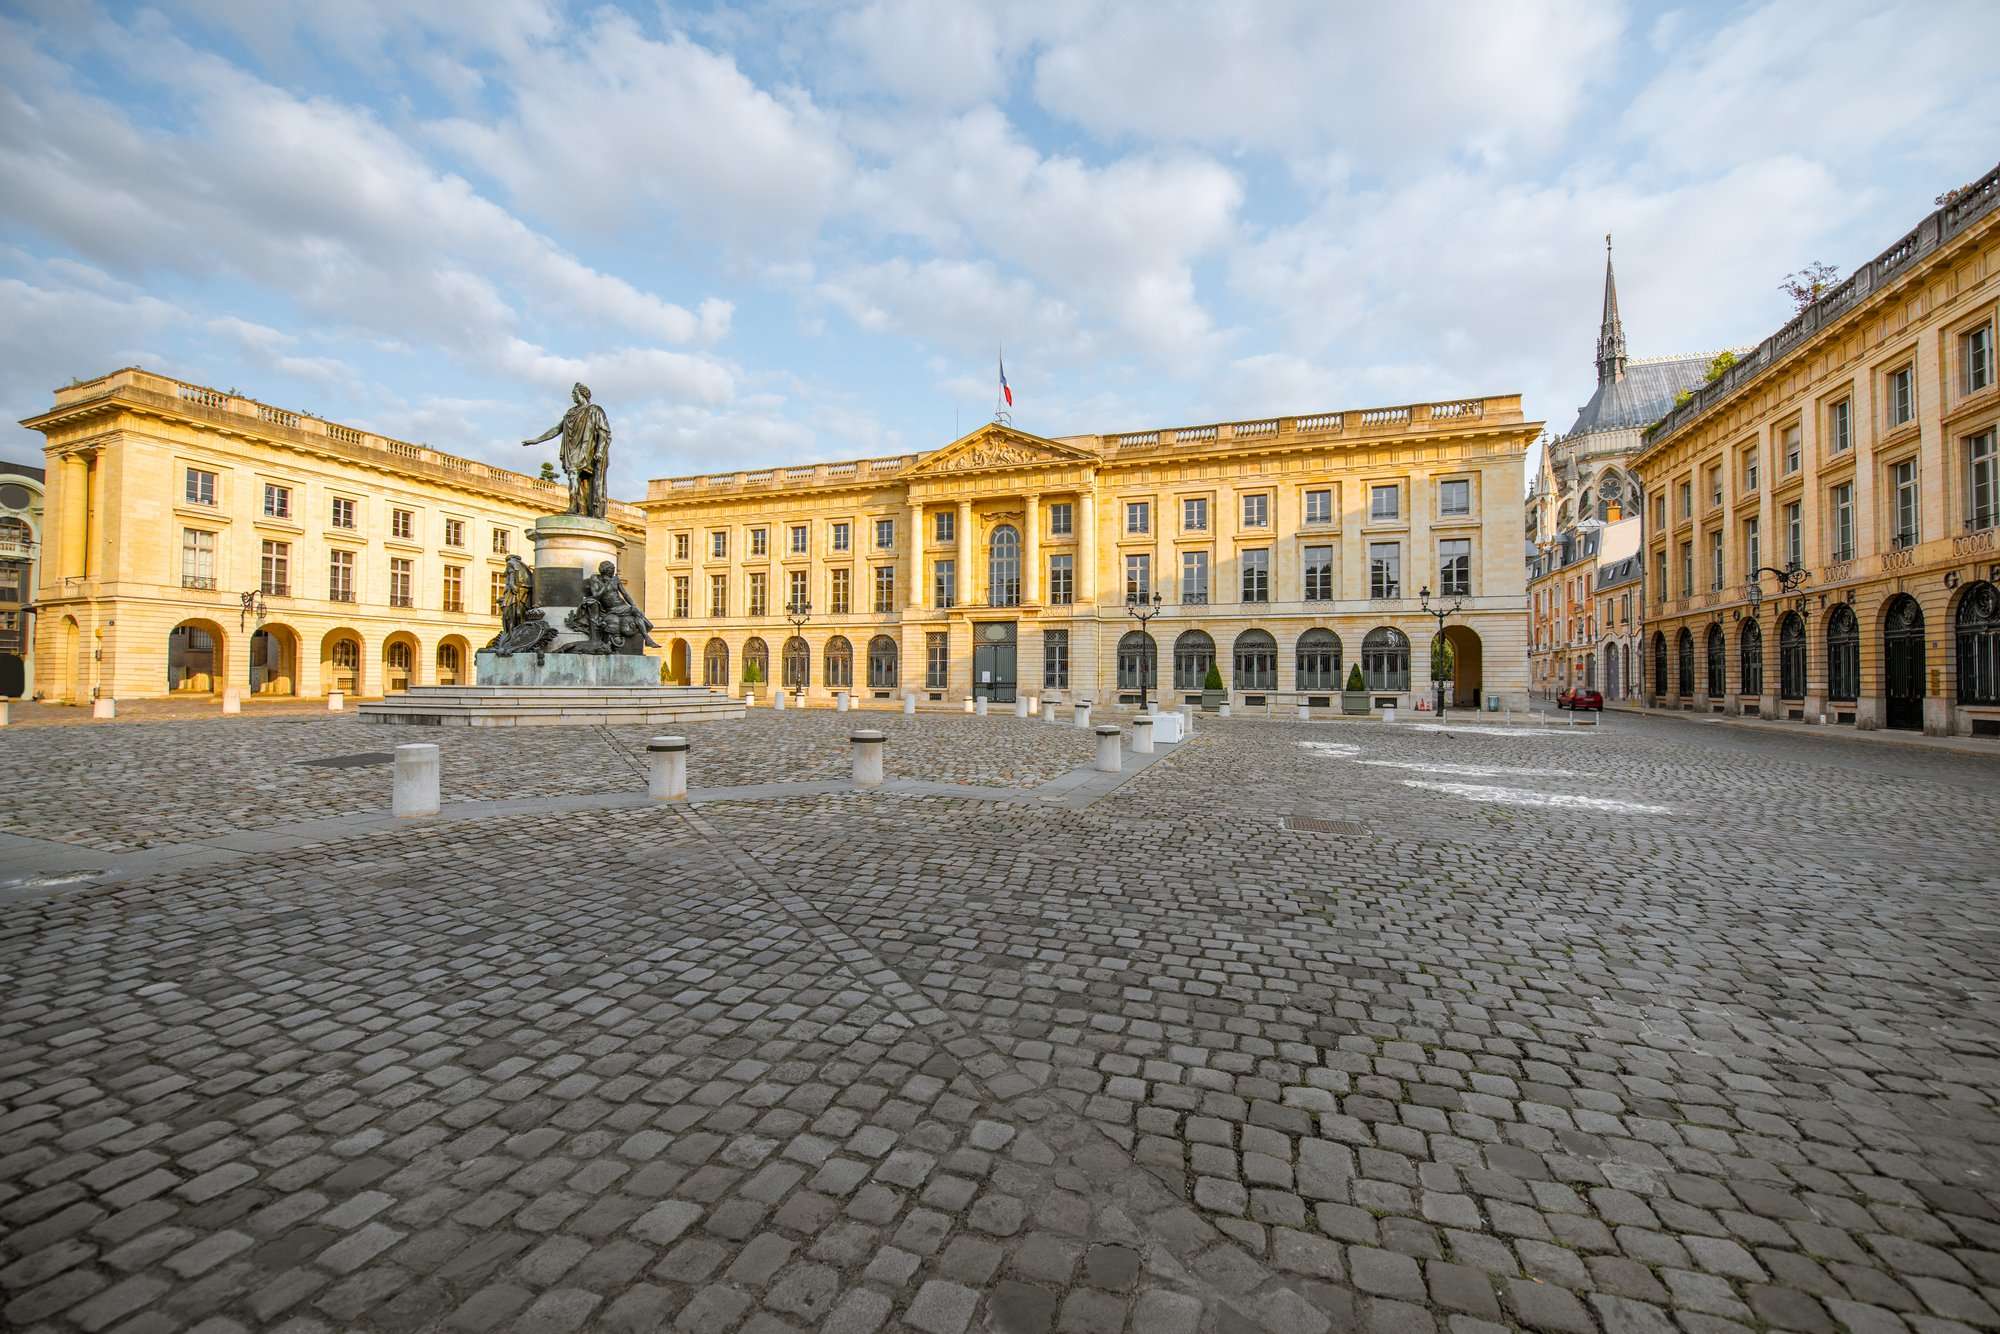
<point x="1005" y="392"/>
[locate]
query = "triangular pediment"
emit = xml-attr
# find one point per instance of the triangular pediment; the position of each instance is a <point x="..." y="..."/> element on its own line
<point x="994" y="447"/>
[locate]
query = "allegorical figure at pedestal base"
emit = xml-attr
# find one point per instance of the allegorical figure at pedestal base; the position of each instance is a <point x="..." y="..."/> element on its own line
<point x="586" y="452"/>
<point x="607" y="617"/>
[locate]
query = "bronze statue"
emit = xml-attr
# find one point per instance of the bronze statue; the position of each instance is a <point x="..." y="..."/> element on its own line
<point x="608" y="617"/>
<point x="530" y="634"/>
<point x="517" y="593"/>
<point x="586" y="452"/>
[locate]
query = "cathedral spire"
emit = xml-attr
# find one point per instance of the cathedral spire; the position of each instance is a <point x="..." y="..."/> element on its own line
<point x="1611" y="333"/>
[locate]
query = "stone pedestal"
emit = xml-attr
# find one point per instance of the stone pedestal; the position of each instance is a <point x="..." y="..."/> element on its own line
<point x="577" y="670"/>
<point x="568" y="550"/>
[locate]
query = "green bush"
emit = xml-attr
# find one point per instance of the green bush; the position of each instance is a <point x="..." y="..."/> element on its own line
<point x="1213" y="681"/>
<point x="1354" y="677"/>
<point x="752" y="675"/>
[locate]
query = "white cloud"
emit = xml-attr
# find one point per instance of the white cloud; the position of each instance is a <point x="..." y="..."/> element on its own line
<point x="934" y="52"/>
<point x="965" y="305"/>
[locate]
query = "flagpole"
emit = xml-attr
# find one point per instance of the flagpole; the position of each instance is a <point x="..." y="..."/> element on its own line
<point x="1000" y="413"/>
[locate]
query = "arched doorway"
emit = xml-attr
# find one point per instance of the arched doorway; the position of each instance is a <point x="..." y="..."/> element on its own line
<point x="399" y="664"/>
<point x="1194" y="654"/>
<point x="1792" y="656"/>
<point x="756" y="662"/>
<point x="1717" y="664"/>
<point x="715" y="665"/>
<point x="1590" y="671"/>
<point x="797" y="661"/>
<point x="1750" y="655"/>
<point x="1468" y="657"/>
<point x="72" y="661"/>
<point x="454" y="657"/>
<point x="1254" y="661"/>
<point x="1903" y="664"/>
<point x="1385" y="659"/>
<point x="1136" y="664"/>
<point x="195" y="659"/>
<point x="882" y="661"/>
<point x="1659" y="665"/>
<point x="1317" y="662"/>
<point x="677" y="663"/>
<point x="274" y="661"/>
<point x="1978" y="627"/>
<point x="1611" y="677"/>
<point x="340" y="661"/>
<point x="1843" y="655"/>
<point x="1684" y="656"/>
<point x="839" y="663"/>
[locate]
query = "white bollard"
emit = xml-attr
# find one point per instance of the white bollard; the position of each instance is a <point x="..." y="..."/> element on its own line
<point x="3" y="712"/>
<point x="1305" y="713"/>
<point x="778" y="700"/>
<point x="840" y="704"/>
<point x="335" y="701"/>
<point x="1222" y="709"/>
<point x="105" y="707"/>
<point x="667" y="772"/>
<point x="232" y="699"/>
<point x="979" y="706"/>
<point x="1389" y="713"/>
<point x="416" y="781"/>
<point x="1082" y="709"/>
<point x="1153" y="708"/>
<point x="1108" y="761"/>
<point x="1020" y="706"/>
<point x="749" y="699"/>
<point x="1187" y="720"/>
<point x="1142" y="735"/>
<point x="1049" y="711"/>
<point x="968" y="704"/>
<point x="867" y="758"/>
<point x="909" y="704"/>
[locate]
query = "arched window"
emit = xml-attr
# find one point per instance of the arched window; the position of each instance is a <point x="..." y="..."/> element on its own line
<point x="1684" y="655"/>
<point x="1194" y="654"/>
<point x="756" y="661"/>
<point x="1717" y="685"/>
<point x="1792" y="656"/>
<point x="839" y="663"/>
<point x="798" y="664"/>
<point x="1256" y="655"/>
<point x="1319" y="660"/>
<point x="1136" y="667"/>
<point x="1003" y="567"/>
<point x="1750" y="649"/>
<point x="1843" y="654"/>
<point x="1589" y="671"/>
<point x="347" y="654"/>
<point x="447" y="664"/>
<point x="715" y="664"/>
<point x="1385" y="659"/>
<point x="881" y="663"/>
<point x="1659" y="663"/>
<point x="1978" y="627"/>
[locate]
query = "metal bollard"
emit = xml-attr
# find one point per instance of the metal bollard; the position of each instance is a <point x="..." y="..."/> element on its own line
<point x="416" y="780"/>
<point x="1109" y="760"/>
<point x="335" y="701"/>
<point x="1020" y="706"/>
<point x="667" y="768"/>
<point x="1082" y="708"/>
<point x="909" y="704"/>
<point x="232" y="699"/>
<point x="979" y="706"/>
<point x="105" y="707"/>
<point x="1142" y="735"/>
<point x="840" y="702"/>
<point x="868" y="758"/>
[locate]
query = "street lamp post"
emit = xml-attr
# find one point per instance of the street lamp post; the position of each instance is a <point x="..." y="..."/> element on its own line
<point x="798" y="612"/>
<point x="1143" y="610"/>
<point x="1440" y="612"/>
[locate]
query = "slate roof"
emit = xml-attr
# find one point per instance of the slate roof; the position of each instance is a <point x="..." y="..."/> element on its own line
<point x="1641" y="396"/>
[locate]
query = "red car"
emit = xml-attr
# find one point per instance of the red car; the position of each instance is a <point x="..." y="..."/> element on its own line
<point x="1580" y="699"/>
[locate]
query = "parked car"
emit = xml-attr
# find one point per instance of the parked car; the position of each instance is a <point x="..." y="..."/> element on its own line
<point x="1580" y="699"/>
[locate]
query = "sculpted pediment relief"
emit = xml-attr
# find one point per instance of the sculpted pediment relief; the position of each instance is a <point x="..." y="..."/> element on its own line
<point x="995" y="447"/>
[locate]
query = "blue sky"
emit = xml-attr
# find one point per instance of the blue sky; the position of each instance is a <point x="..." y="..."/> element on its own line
<point x="783" y="231"/>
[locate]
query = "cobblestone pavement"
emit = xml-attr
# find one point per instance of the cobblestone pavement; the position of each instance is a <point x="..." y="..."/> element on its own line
<point x="1305" y="1028"/>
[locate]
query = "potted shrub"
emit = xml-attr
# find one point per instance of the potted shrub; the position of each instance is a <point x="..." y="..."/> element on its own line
<point x="1212" y="692"/>
<point x="752" y="678"/>
<point x="1354" y="699"/>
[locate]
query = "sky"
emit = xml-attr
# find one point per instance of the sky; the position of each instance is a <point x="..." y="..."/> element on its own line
<point x="778" y="232"/>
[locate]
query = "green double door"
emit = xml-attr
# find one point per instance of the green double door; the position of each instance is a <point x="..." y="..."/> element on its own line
<point x="995" y="659"/>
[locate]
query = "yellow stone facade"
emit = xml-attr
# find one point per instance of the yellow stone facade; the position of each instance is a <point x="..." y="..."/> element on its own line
<point x="1859" y="444"/>
<point x="1046" y="537"/>
<point x="369" y="563"/>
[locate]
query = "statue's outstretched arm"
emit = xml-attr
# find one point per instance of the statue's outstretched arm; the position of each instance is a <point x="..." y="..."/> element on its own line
<point x="549" y="434"/>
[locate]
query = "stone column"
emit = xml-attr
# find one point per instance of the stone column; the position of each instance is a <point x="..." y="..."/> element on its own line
<point x="964" y="553"/>
<point x="1086" y="548"/>
<point x="915" y="599"/>
<point x="667" y="774"/>
<point x="75" y="515"/>
<point x="1031" y="552"/>
<point x="867" y="758"/>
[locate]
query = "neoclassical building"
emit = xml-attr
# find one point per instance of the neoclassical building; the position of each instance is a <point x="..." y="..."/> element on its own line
<point x="20" y="555"/>
<point x="1823" y="530"/>
<point x="1282" y="551"/>
<point x="1585" y="625"/>
<point x="199" y="540"/>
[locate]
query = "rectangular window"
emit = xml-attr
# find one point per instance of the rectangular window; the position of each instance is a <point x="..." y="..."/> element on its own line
<point x="1843" y="522"/>
<point x="1902" y="396"/>
<point x="1384" y="502"/>
<point x="1055" y="659"/>
<point x="680" y="546"/>
<point x="1062" y="580"/>
<point x="1194" y="577"/>
<point x="885" y="534"/>
<point x="1138" y="578"/>
<point x="1319" y="574"/>
<point x="1715" y="559"/>
<point x="454" y="533"/>
<point x="499" y="541"/>
<point x="1905" y="476"/>
<point x="718" y="544"/>
<point x="1795" y="450"/>
<point x="1257" y="511"/>
<point x="343" y="512"/>
<point x="496" y="589"/>
<point x="1976" y="356"/>
<point x="275" y="572"/>
<point x="1455" y="567"/>
<point x="1256" y="564"/>
<point x="885" y="588"/>
<point x="1982" y="481"/>
<point x="795" y="590"/>
<point x="937" y="660"/>
<point x="944" y="583"/>
<point x="840" y="537"/>
<point x="840" y="591"/>
<point x="760" y="542"/>
<point x="200" y="487"/>
<point x="1687" y="500"/>
<point x="399" y="582"/>
<point x="1319" y="506"/>
<point x="1715" y="487"/>
<point x="683" y="607"/>
<point x="946" y="526"/>
<point x="402" y="524"/>
<point x="1753" y="546"/>
<point x="277" y="501"/>
<point x="1687" y="568"/>
<point x="1659" y="576"/>
<point x="340" y="576"/>
<point x="1385" y="570"/>
<point x="1840" y="427"/>
<point x="1795" y="537"/>
<point x="798" y="531"/>
<point x="197" y="558"/>
<point x="1194" y="514"/>
<point x="1455" y="498"/>
<point x="1062" y="519"/>
<point x="1139" y="516"/>
<point x="760" y="593"/>
<point x="718" y="595"/>
<point x="454" y="588"/>
<point x="1750" y="469"/>
<point x="1659" y="511"/>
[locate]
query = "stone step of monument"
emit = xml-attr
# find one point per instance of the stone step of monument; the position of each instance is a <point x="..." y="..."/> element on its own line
<point x="518" y="706"/>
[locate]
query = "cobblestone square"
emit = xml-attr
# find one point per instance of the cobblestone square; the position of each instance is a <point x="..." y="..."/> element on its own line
<point x="1663" y="1025"/>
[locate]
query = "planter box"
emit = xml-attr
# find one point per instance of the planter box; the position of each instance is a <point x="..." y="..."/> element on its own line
<point x="1355" y="701"/>
<point x="1211" y="698"/>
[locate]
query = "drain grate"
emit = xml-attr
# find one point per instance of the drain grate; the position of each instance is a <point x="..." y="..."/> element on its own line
<point x="1300" y="824"/>
<point x="348" y="761"/>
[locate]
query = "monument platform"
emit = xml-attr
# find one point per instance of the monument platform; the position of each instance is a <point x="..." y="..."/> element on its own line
<point x="550" y="706"/>
<point x="577" y="670"/>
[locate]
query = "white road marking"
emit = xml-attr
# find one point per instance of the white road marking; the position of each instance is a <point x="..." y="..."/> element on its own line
<point x="1514" y="796"/>
<point x="1469" y="770"/>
